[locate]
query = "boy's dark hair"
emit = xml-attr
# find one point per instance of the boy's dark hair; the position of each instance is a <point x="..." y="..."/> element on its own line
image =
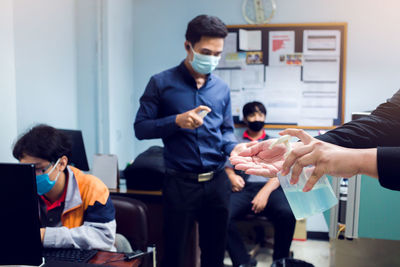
<point x="252" y="107"/>
<point x="204" y="25"/>
<point x="44" y="142"/>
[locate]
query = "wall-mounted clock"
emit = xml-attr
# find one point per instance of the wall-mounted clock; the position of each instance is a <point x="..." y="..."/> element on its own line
<point x="258" y="11"/>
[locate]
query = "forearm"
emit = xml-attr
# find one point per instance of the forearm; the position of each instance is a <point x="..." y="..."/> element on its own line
<point x="88" y="236"/>
<point x="229" y="171"/>
<point x="271" y="185"/>
<point x="367" y="161"/>
<point x="147" y="128"/>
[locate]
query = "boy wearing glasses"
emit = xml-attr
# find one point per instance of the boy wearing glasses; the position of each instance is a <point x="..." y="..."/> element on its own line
<point x="75" y="208"/>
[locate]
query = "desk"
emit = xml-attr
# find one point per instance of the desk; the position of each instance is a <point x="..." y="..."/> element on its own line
<point x="104" y="256"/>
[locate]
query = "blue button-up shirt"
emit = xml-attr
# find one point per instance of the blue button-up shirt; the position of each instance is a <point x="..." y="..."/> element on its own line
<point x="173" y="92"/>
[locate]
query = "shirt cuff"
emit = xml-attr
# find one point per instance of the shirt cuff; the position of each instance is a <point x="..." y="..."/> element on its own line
<point x="229" y="148"/>
<point x="49" y="239"/>
<point x="388" y="159"/>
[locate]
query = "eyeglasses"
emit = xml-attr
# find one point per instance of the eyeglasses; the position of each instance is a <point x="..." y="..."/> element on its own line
<point x="40" y="171"/>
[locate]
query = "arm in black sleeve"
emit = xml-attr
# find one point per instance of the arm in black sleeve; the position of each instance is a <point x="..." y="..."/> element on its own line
<point x="380" y="130"/>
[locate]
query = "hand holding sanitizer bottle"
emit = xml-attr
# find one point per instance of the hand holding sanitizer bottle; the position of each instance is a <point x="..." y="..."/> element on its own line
<point x="305" y="204"/>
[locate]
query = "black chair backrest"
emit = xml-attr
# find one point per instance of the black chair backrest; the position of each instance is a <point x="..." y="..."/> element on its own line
<point x="131" y="218"/>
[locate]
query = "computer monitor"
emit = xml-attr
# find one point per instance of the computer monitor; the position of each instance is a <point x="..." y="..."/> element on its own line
<point x="20" y="242"/>
<point x="78" y="157"/>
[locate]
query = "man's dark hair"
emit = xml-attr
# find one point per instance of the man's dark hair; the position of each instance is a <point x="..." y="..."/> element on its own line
<point x="252" y="107"/>
<point x="204" y="25"/>
<point x="44" y="142"/>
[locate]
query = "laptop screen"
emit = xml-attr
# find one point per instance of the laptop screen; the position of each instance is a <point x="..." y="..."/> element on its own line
<point x="19" y="222"/>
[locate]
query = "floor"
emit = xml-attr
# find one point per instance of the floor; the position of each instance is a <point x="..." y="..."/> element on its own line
<point x="312" y="251"/>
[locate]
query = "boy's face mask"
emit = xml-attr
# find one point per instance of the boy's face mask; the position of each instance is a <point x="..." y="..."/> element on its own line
<point x="204" y="64"/>
<point x="43" y="182"/>
<point x="255" y="126"/>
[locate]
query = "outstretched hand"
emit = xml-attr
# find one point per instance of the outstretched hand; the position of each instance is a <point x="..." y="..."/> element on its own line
<point x="259" y="159"/>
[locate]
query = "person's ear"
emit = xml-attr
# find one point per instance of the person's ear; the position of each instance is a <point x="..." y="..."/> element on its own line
<point x="63" y="163"/>
<point x="187" y="46"/>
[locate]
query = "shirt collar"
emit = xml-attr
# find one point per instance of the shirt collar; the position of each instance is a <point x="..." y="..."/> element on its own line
<point x="247" y="136"/>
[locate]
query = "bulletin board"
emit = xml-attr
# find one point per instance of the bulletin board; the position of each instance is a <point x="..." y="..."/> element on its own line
<point x="296" y="70"/>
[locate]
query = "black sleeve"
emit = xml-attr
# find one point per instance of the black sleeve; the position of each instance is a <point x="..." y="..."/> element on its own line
<point x="388" y="167"/>
<point x="379" y="130"/>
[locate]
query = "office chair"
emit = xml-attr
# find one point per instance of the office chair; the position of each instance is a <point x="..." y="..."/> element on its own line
<point x="131" y="218"/>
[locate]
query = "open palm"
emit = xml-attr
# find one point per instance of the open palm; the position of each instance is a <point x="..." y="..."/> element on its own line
<point x="260" y="160"/>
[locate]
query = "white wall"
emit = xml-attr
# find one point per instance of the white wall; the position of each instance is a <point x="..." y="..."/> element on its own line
<point x="59" y="68"/>
<point x="119" y="77"/>
<point x="45" y="60"/>
<point x="8" y="103"/>
<point x="87" y="25"/>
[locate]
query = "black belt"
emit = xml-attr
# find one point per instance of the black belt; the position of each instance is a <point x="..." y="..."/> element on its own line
<point x="199" y="177"/>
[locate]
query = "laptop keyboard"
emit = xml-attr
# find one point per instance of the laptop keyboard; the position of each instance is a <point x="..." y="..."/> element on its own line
<point x="71" y="255"/>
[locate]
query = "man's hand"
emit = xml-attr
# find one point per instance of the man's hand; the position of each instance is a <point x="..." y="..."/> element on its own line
<point x="258" y="159"/>
<point x="237" y="182"/>
<point x="42" y="232"/>
<point x="191" y="119"/>
<point x="327" y="159"/>
<point x="241" y="147"/>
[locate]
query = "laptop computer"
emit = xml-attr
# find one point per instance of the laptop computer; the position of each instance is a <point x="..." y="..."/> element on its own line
<point x="20" y="241"/>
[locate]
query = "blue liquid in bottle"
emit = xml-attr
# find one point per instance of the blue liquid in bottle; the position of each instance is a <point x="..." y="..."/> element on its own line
<point x="306" y="204"/>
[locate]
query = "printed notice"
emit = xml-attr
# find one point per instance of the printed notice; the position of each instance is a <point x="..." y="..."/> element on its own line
<point x="249" y="40"/>
<point x="280" y="44"/>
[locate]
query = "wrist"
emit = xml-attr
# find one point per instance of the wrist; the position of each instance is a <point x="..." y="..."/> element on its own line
<point x="367" y="162"/>
<point x="177" y="119"/>
<point x="265" y="191"/>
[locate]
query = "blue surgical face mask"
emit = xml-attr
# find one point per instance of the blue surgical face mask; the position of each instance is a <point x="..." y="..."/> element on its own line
<point x="43" y="182"/>
<point x="204" y="64"/>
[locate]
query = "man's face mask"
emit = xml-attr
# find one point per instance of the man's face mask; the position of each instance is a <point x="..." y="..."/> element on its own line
<point x="43" y="182"/>
<point x="204" y="64"/>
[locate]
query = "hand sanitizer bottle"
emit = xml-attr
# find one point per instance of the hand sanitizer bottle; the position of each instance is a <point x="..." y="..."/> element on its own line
<point x="305" y="204"/>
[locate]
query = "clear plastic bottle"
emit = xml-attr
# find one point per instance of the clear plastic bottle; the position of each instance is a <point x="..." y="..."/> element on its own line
<point x="306" y="204"/>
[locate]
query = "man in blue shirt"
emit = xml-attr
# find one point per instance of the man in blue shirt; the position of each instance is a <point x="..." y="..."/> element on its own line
<point x="190" y="109"/>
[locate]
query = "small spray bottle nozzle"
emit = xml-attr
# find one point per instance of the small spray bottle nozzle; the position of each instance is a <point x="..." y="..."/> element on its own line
<point x="285" y="140"/>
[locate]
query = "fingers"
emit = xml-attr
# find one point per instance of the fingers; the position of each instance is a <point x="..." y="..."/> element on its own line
<point x="299" y="133"/>
<point x="315" y="176"/>
<point x="201" y="108"/>
<point x="241" y="182"/>
<point x="245" y="166"/>
<point x="196" y="119"/>
<point x="238" y="159"/>
<point x="252" y="149"/>
<point x="270" y="172"/>
<point x="293" y="156"/>
<point x="250" y="144"/>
